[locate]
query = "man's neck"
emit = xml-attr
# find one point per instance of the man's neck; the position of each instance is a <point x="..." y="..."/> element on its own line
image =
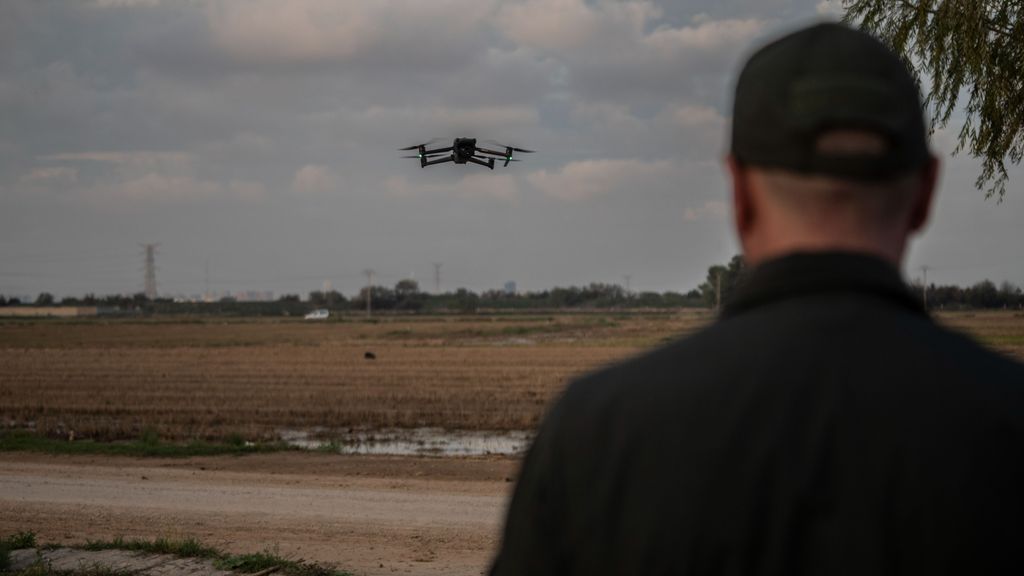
<point x="756" y="252"/>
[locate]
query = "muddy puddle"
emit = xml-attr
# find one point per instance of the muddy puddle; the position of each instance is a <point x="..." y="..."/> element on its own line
<point x="412" y="442"/>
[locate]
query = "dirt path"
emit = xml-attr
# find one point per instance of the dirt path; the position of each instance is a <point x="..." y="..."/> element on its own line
<point x="367" y="515"/>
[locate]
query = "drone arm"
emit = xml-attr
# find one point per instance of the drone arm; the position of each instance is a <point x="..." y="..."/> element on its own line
<point x="492" y="152"/>
<point x="489" y="163"/>
<point x="424" y="162"/>
<point x="436" y="151"/>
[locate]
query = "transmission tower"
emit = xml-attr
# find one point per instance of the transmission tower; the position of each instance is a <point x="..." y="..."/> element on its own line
<point x="369" y="290"/>
<point x="924" y="285"/>
<point x="437" y="277"/>
<point x="150" y="280"/>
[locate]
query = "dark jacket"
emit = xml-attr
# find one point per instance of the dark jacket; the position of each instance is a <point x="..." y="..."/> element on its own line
<point x="823" y="425"/>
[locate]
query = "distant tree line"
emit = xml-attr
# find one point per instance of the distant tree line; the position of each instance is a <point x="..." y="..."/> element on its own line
<point x="982" y="295"/>
<point x="407" y="296"/>
<point x="718" y="288"/>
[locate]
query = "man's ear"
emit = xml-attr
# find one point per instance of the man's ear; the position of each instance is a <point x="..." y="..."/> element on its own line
<point x="742" y="203"/>
<point x="924" y="195"/>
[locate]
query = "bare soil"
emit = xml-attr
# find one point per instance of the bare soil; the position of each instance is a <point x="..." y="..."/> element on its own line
<point x="368" y="515"/>
<point x="252" y="378"/>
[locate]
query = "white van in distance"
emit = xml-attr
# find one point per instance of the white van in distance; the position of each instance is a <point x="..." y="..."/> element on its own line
<point x="319" y="314"/>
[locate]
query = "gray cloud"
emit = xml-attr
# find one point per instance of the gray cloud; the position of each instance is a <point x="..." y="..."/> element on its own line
<point x="260" y="137"/>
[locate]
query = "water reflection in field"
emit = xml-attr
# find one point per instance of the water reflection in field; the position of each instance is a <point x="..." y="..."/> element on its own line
<point x="412" y="442"/>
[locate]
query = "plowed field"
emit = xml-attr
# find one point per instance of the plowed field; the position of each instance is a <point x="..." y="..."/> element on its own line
<point x="216" y="379"/>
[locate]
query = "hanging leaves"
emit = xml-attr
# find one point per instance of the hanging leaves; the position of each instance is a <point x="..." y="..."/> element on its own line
<point x="966" y="53"/>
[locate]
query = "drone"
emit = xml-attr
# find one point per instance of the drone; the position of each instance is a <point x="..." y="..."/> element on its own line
<point x="462" y="151"/>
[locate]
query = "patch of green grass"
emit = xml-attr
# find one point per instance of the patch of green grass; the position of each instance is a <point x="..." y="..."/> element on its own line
<point x="149" y="444"/>
<point x="192" y="548"/>
<point x="186" y="547"/>
<point x="19" y="540"/>
<point x="250" y="563"/>
<point x="44" y="569"/>
<point x="331" y="447"/>
<point x="15" y="541"/>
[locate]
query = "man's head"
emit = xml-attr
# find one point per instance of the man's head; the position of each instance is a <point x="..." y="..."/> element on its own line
<point x="829" y="148"/>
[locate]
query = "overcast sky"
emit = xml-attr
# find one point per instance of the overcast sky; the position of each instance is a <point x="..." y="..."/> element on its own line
<point x="256" y="139"/>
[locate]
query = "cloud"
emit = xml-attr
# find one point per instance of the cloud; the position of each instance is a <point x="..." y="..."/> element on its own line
<point x="457" y="120"/>
<point x="680" y="130"/>
<point x="691" y="116"/>
<point x="51" y="175"/>
<point x="327" y="31"/>
<point x="489" y="186"/>
<point x="706" y="36"/>
<point x="314" y="179"/>
<point x="480" y="186"/>
<point x="832" y="8"/>
<point x="159" y="188"/>
<point x="594" y="178"/>
<point x="137" y="179"/>
<point x="246" y="190"/>
<point x="570" y="25"/>
<point x="610" y="31"/>
<point x="123" y="3"/>
<point x="714" y="210"/>
<point x="180" y="111"/>
<point x="129" y="160"/>
<point x="620" y="51"/>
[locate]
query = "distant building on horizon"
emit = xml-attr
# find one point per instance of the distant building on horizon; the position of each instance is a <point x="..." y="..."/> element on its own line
<point x="254" y="296"/>
<point x="239" y="296"/>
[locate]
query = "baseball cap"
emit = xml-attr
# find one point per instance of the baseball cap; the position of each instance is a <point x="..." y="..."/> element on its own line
<point x="824" y="78"/>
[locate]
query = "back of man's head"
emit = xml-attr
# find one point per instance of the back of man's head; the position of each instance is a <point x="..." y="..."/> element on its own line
<point x="829" y="148"/>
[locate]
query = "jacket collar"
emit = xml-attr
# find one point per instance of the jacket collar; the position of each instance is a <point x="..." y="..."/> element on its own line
<point x="803" y="274"/>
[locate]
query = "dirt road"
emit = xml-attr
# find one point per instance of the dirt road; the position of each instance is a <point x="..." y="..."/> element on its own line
<point x="369" y="515"/>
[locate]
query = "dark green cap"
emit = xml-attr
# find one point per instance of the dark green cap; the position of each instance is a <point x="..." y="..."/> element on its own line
<point x="827" y="77"/>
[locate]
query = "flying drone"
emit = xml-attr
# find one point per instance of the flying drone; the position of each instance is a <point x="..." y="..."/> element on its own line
<point x="462" y="151"/>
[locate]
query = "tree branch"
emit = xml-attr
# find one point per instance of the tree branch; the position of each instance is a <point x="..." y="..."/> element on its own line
<point x="986" y="22"/>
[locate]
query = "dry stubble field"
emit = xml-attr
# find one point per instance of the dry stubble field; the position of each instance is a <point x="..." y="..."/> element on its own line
<point x="216" y="378"/>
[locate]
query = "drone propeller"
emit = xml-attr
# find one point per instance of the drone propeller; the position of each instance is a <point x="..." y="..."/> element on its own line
<point x="513" y="148"/>
<point x="424" y="145"/>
